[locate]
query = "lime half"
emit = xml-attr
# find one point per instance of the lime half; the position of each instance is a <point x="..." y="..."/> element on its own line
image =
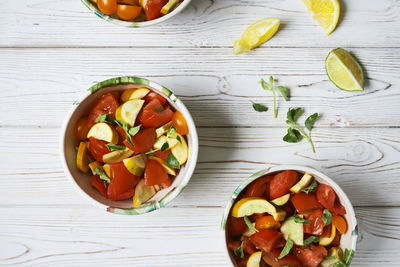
<point x="344" y="71"/>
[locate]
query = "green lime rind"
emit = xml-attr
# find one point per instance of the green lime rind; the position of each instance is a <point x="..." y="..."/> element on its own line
<point x="350" y="63"/>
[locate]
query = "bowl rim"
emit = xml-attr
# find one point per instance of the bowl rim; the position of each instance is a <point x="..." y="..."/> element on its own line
<point x="132" y="24"/>
<point x="159" y="89"/>
<point x="301" y="168"/>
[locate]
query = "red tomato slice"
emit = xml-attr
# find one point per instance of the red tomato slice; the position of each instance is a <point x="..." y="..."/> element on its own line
<point x="288" y="260"/>
<point x="143" y="141"/>
<point x="98" y="184"/>
<point x="123" y="182"/>
<point x="248" y="247"/>
<point x="153" y="8"/>
<point x="316" y="226"/>
<point x="107" y="104"/>
<point x="232" y="244"/>
<point x="326" y="196"/>
<point x="155" y="173"/>
<point x="98" y="148"/>
<point x="282" y="182"/>
<point x="338" y="208"/>
<point x="327" y="231"/>
<point x="162" y="155"/>
<point x="258" y="188"/>
<point x="236" y="226"/>
<point x="152" y="95"/>
<point x="310" y="256"/>
<point x="305" y="202"/>
<point x="265" y="240"/>
<point x="155" y="114"/>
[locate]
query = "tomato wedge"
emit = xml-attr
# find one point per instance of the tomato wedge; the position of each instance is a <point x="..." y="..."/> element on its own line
<point x="143" y="141"/>
<point x="282" y="182"/>
<point x="328" y="199"/>
<point x="107" y="104"/>
<point x="236" y="226"/>
<point x="152" y="95"/>
<point x="153" y="8"/>
<point x="233" y="244"/>
<point x="155" y="114"/>
<point x="267" y="223"/>
<point x="316" y="227"/>
<point x="265" y="240"/>
<point x="123" y="182"/>
<point x="162" y="155"/>
<point x="155" y="173"/>
<point x="98" y="148"/>
<point x="305" y="202"/>
<point x="248" y="247"/>
<point x="98" y="184"/>
<point x="259" y="187"/>
<point x="310" y="256"/>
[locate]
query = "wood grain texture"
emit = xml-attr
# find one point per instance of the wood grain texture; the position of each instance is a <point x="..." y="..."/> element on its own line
<point x="204" y="23"/>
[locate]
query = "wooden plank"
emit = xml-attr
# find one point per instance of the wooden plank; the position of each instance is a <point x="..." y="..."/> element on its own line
<point x="28" y="23"/>
<point x="364" y="162"/>
<point x="83" y="235"/>
<point x="39" y="85"/>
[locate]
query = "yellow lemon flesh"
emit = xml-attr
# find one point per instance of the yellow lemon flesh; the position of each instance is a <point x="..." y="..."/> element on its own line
<point x="256" y="34"/>
<point x="142" y="193"/>
<point x="326" y="12"/>
<point x="134" y="93"/>
<point x="103" y="131"/>
<point x="303" y="183"/>
<point x="254" y="259"/>
<point x="325" y="241"/>
<point x="181" y="150"/>
<point x="344" y="71"/>
<point x="250" y="205"/>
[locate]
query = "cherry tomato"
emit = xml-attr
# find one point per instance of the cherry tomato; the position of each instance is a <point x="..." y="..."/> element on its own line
<point x="81" y="128"/>
<point x="108" y="7"/>
<point x="305" y="202"/>
<point x="340" y="223"/>
<point x="98" y="148"/>
<point x="265" y="240"/>
<point x="236" y="226"/>
<point x="123" y="182"/>
<point x="179" y="122"/>
<point x="258" y="187"/>
<point x="107" y="104"/>
<point x="143" y="141"/>
<point x="162" y="155"/>
<point x="155" y="173"/>
<point x="267" y="223"/>
<point x="126" y="12"/>
<point x="98" y="184"/>
<point x="152" y="95"/>
<point x="316" y="227"/>
<point x="155" y="115"/>
<point x="153" y="8"/>
<point x="310" y="256"/>
<point x="282" y="182"/>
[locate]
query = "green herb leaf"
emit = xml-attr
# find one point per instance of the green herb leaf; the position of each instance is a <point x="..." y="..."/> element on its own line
<point x="172" y="161"/>
<point x="103" y="176"/>
<point x="311" y="239"/>
<point x="106" y="118"/>
<point x="292" y="136"/>
<point x="311" y="187"/>
<point x="286" y="249"/>
<point x="330" y="258"/>
<point x="310" y="121"/>
<point x="284" y="92"/>
<point x="294" y="113"/>
<point x="348" y="256"/>
<point x="249" y="224"/>
<point x="297" y="219"/>
<point x="171" y="132"/>
<point x="179" y="139"/>
<point x="265" y="85"/>
<point x="259" y="107"/>
<point x="164" y="147"/>
<point x="271" y="81"/>
<point x="326" y="217"/>
<point x="239" y="251"/>
<point x="133" y="131"/>
<point x="113" y="147"/>
<point x="340" y="264"/>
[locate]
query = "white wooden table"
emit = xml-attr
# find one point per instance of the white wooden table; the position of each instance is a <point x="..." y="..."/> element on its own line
<point x="50" y="51"/>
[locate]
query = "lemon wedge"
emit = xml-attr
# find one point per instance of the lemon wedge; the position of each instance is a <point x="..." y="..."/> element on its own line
<point x="325" y="241"/>
<point x="134" y="93"/>
<point x="303" y="183"/>
<point x="326" y="12"/>
<point x="103" y="131"/>
<point x="142" y="193"/>
<point x="254" y="260"/>
<point x="181" y="150"/>
<point x="256" y="34"/>
<point x="250" y="205"/>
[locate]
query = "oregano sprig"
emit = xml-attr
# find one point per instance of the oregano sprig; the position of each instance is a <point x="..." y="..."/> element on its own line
<point x="284" y="91"/>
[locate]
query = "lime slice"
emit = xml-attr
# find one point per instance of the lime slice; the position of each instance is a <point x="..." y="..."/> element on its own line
<point x="344" y="71"/>
<point x="256" y="34"/>
<point x="326" y="12"/>
<point x="254" y="259"/>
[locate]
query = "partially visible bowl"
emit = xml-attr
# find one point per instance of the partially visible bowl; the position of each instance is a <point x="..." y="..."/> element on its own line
<point x="80" y="180"/>
<point x="133" y="24"/>
<point x="348" y="240"/>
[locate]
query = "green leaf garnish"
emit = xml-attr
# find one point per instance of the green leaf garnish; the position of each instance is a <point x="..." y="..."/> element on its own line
<point x="179" y="139"/>
<point x="286" y="249"/>
<point x="270" y="87"/>
<point x="293" y="114"/>
<point x="348" y="256"/>
<point x="309" y="123"/>
<point x="327" y="217"/>
<point x="172" y="161"/>
<point x="284" y="92"/>
<point x="311" y="187"/>
<point x="164" y="147"/>
<point x="113" y="147"/>
<point x="103" y="176"/>
<point x="259" y="107"/>
<point x="297" y="219"/>
<point x="311" y="239"/>
<point x="330" y="258"/>
<point x="292" y="136"/>
<point x="133" y="131"/>
<point x="249" y="224"/>
<point x="123" y="125"/>
<point x="239" y="251"/>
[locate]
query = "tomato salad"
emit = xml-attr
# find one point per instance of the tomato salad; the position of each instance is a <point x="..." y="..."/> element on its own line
<point x="287" y="219"/>
<point x="136" y="10"/>
<point x="133" y="144"/>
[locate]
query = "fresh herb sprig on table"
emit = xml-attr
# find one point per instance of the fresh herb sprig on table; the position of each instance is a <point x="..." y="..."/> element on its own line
<point x="295" y="134"/>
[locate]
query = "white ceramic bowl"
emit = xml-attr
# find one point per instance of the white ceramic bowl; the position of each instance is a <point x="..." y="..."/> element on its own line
<point x="80" y="181"/>
<point x="348" y="240"/>
<point x="132" y="24"/>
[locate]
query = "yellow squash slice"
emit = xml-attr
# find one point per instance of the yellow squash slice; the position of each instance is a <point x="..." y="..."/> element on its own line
<point x="82" y="158"/>
<point x="103" y="131"/>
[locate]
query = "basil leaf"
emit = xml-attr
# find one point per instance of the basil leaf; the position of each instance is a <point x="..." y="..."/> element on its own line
<point x="171" y="132"/>
<point x="113" y="147"/>
<point x="103" y="176"/>
<point x="133" y="131"/>
<point x="239" y="251"/>
<point x="330" y="258"/>
<point x="172" y="161"/>
<point x="265" y="85"/>
<point x="271" y="81"/>
<point x="294" y="113"/>
<point x="297" y="219"/>
<point x="340" y="264"/>
<point x="249" y="224"/>
<point x="106" y="118"/>
<point x="286" y="249"/>
<point x="348" y="256"/>
<point x="326" y="217"/>
<point x="164" y="147"/>
<point x="179" y="139"/>
<point x="292" y="136"/>
<point x="311" y="187"/>
<point x="310" y="121"/>
<point x="259" y="107"/>
<point x="284" y="92"/>
<point x="311" y="239"/>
